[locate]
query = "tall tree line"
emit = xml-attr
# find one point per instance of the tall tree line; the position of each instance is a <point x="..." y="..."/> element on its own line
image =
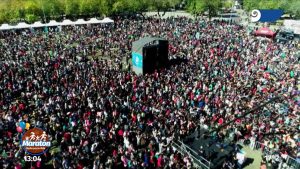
<point x="12" y="11"/>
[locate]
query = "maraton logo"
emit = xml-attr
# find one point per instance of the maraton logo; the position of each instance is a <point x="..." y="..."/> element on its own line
<point x="266" y="15"/>
<point x="35" y="141"/>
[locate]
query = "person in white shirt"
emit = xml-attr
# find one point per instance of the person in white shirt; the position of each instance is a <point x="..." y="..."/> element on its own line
<point x="240" y="159"/>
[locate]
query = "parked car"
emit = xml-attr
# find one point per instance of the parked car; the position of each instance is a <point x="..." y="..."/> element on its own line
<point x="284" y="36"/>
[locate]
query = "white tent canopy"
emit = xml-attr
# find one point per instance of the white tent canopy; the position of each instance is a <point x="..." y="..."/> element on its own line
<point x="80" y="22"/>
<point x="37" y="24"/>
<point x="107" y="20"/>
<point x="22" y="25"/>
<point x="93" y="21"/>
<point x="5" y="27"/>
<point x="53" y="23"/>
<point x="67" y="22"/>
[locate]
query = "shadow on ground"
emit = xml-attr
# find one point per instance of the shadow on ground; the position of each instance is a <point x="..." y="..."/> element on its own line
<point x="248" y="162"/>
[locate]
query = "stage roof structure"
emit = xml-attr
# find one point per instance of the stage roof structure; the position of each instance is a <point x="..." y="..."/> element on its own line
<point x="137" y="46"/>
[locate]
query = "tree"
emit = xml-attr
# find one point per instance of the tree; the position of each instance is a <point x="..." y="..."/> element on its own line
<point x="131" y="6"/>
<point x="121" y="6"/>
<point x="163" y="5"/>
<point x="294" y="8"/>
<point x="213" y="7"/>
<point x="71" y="8"/>
<point x="201" y="6"/>
<point x="269" y="4"/>
<point x="32" y="11"/>
<point x="291" y="7"/>
<point x="228" y="4"/>
<point x="139" y="6"/>
<point x="196" y="7"/>
<point x="250" y="5"/>
<point x="52" y="8"/>
<point x="104" y="7"/>
<point x="89" y="7"/>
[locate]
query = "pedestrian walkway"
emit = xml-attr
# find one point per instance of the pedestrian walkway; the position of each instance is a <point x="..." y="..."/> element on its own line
<point x="170" y="14"/>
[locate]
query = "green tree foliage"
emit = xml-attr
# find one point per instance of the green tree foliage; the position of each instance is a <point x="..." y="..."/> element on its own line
<point x="262" y="4"/>
<point x="162" y="5"/>
<point x="292" y="7"/>
<point x="32" y="11"/>
<point x="228" y="4"/>
<point x="52" y="8"/>
<point x="12" y="11"/>
<point x="71" y="7"/>
<point x="89" y="7"/>
<point x="105" y="7"/>
<point x="201" y="6"/>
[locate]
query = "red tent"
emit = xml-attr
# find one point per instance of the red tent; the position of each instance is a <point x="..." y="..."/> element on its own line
<point x="265" y="32"/>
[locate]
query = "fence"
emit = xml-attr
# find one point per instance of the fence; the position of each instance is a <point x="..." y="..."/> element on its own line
<point x="269" y="153"/>
<point x="197" y="160"/>
<point x="290" y="163"/>
<point x="283" y="163"/>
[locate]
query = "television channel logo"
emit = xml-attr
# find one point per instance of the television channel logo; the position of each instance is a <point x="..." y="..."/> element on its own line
<point x="266" y="15"/>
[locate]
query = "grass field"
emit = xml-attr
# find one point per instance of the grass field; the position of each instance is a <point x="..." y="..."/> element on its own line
<point x="253" y="158"/>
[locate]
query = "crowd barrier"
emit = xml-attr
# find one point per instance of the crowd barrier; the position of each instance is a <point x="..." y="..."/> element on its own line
<point x="198" y="161"/>
<point x="269" y="153"/>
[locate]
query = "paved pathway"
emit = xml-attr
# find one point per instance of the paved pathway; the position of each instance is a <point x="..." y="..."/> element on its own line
<point x="171" y="14"/>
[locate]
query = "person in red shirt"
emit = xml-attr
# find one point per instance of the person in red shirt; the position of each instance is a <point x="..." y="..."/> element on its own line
<point x="160" y="161"/>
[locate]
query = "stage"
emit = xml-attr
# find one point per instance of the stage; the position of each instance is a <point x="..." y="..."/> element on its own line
<point x="210" y="148"/>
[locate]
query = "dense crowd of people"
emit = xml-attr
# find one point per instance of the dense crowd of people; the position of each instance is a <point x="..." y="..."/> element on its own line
<point x="100" y="116"/>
